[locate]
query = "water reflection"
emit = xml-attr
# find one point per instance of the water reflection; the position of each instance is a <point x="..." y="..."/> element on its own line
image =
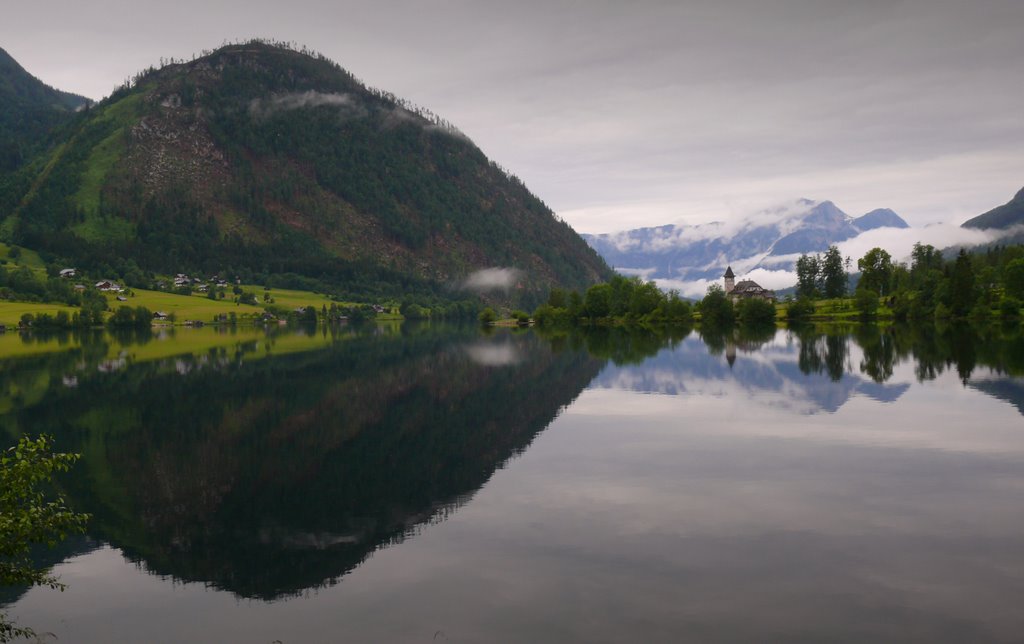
<point x="814" y="368"/>
<point x="268" y="477"/>
<point x="266" y="465"/>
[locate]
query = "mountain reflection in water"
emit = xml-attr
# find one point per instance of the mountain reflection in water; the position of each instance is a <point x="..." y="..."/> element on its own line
<point x="688" y="463"/>
<point x="269" y="477"/>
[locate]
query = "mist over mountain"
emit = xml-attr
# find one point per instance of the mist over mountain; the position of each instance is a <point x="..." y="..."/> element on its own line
<point x="264" y="160"/>
<point x="771" y="239"/>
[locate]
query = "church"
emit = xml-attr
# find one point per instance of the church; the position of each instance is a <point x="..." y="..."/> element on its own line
<point x="746" y="289"/>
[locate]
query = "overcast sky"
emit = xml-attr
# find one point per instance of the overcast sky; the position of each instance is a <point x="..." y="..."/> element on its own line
<point x="622" y="115"/>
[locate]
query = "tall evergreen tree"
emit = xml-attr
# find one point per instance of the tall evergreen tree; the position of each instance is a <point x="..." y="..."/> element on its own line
<point x="961" y="285"/>
<point x="833" y="274"/>
<point x="807" y="272"/>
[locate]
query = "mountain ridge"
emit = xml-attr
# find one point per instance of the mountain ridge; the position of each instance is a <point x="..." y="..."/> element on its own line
<point x="1001" y="217"/>
<point x="273" y="161"/>
<point x="29" y="111"/>
<point x="770" y="238"/>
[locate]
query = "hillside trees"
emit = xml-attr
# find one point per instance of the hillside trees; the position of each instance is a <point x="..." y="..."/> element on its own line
<point x="1013" y="278"/>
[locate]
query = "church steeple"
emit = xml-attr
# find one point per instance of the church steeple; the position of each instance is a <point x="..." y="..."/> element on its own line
<point x="729" y="280"/>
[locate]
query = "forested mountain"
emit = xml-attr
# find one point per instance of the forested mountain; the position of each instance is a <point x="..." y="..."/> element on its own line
<point x="1001" y="217"/>
<point x="29" y="111"/>
<point x="263" y="160"/>
<point x="770" y="239"/>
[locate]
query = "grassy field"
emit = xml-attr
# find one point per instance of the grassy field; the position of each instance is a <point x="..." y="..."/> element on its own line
<point x="102" y="159"/>
<point x="184" y="307"/>
<point x="292" y="299"/>
<point x="11" y="312"/>
<point x="28" y="258"/>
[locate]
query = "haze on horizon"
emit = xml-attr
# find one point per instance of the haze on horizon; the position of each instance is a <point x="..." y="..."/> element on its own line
<point x="640" y="115"/>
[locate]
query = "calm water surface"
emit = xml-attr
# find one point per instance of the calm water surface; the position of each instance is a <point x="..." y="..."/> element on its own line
<point x="437" y="484"/>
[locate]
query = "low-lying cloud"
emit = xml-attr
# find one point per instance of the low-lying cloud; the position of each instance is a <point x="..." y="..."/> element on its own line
<point x="349" y="106"/>
<point x="492" y="279"/>
<point x="265" y="107"/>
<point x="696" y="289"/>
<point x="898" y="242"/>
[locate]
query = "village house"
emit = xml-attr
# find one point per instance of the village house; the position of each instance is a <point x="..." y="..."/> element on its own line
<point x="108" y="286"/>
<point x="745" y="289"/>
<point x="67" y="273"/>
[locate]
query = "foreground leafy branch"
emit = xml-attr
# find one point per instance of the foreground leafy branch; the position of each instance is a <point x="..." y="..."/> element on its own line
<point x="30" y="515"/>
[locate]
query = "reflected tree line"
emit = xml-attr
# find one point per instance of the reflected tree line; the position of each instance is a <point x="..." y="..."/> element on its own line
<point x="934" y="350"/>
<point x="825" y="349"/>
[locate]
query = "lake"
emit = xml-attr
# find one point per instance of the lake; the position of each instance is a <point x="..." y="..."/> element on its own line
<point x="434" y="483"/>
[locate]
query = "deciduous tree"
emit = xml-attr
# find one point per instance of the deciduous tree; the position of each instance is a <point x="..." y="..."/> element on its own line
<point x="876" y="271"/>
<point x="28" y="515"/>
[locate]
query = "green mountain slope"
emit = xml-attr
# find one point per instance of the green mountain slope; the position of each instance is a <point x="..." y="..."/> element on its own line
<point x="1009" y="214"/>
<point x="261" y="159"/>
<point x="29" y="110"/>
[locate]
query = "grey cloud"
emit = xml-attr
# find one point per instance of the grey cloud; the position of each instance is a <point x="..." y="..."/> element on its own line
<point x="492" y="279"/>
<point x="264" y="107"/>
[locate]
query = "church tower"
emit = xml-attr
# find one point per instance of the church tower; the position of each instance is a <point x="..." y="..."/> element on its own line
<point x="729" y="280"/>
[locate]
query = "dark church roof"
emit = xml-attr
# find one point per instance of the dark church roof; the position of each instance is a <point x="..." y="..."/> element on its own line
<point x="728" y="272"/>
<point x="750" y="287"/>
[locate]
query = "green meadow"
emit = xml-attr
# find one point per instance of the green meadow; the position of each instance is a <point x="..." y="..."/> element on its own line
<point x="184" y="307"/>
<point x="11" y="312"/>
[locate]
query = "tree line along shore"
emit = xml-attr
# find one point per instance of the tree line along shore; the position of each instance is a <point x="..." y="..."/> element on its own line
<point x="977" y="286"/>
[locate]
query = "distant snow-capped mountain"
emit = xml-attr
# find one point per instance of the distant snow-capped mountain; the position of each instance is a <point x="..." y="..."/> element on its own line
<point x="772" y="239"/>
